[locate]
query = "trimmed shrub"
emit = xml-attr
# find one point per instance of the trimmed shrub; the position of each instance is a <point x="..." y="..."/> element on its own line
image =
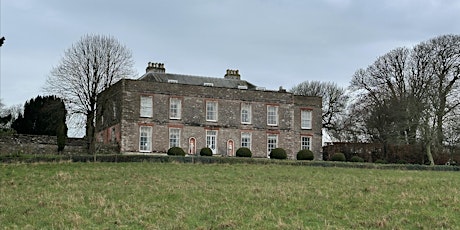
<point x="206" y="152"/>
<point x="380" y="161"/>
<point x="176" y="151"/>
<point x="356" y="159"/>
<point x="305" y="154"/>
<point x="278" y="153"/>
<point x="243" y="152"/>
<point x="338" y="157"/>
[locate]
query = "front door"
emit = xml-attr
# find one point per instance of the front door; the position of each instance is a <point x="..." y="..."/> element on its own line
<point x="211" y="139"/>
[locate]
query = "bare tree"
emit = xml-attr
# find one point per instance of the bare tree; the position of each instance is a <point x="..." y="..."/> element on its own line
<point x="88" y="67"/>
<point x="409" y="93"/>
<point x="445" y="61"/>
<point x="9" y="114"/>
<point x="333" y="97"/>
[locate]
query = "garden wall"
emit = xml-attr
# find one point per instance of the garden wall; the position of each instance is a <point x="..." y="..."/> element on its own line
<point x="39" y="144"/>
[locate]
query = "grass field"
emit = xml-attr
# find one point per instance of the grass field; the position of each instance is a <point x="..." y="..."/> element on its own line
<point x="214" y="196"/>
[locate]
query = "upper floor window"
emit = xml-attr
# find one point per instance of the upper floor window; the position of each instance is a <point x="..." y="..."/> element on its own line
<point x="305" y="117"/>
<point x="246" y="140"/>
<point x="211" y="111"/>
<point x="272" y="115"/>
<point x="305" y="142"/>
<point x="246" y="113"/>
<point x="174" y="137"/>
<point x="175" y="105"/>
<point x="146" y="108"/>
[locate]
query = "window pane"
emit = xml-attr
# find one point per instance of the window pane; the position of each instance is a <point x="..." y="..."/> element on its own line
<point x="306" y="119"/>
<point x="246" y="140"/>
<point x="174" y="138"/>
<point x="146" y="109"/>
<point x="211" y="111"/>
<point x="272" y="140"/>
<point x="246" y="113"/>
<point x="305" y="143"/>
<point x="272" y="115"/>
<point x="175" y="108"/>
<point x="145" y="139"/>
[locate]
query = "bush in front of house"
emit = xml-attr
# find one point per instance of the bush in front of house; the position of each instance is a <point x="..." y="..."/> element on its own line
<point x="176" y="151"/>
<point x="305" y="154"/>
<point x="401" y="162"/>
<point x="243" y="152"/>
<point x="356" y="159"/>
<point x="206" y="152"/>
<point x="338" y="157"/>
<point x="381" y="161"/>
<point x="278" y="153"/>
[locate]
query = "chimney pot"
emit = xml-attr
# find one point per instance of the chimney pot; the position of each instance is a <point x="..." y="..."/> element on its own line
<point x="232" y="74"/>
<point x="155" y="67"/>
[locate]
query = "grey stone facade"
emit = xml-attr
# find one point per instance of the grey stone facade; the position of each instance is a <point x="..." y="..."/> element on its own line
<point x="119" y="119"/>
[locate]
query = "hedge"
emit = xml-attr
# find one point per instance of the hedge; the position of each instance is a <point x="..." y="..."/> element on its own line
<point x="214" y="160"/>
<point x="305" y="154"/>
<point x="338" y="157"/>
<point x="206" y="152"/>
<point x="278" y="153"/>
<point x="176" y="151"/>
<point x="243" y="152"/>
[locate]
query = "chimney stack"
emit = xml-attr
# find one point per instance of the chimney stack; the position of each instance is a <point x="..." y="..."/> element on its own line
<point x="232" y="74"/>
<point x="155" y="67"/>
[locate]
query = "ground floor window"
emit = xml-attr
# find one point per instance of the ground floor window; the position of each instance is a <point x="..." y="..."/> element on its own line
<point x="211" y="140"/>
<point x="305" y="142"/>
<point x="272" y="142"/>
<point x="174" y="137"/>
<point x="145" y="139"/>
<point x="246" y="140"/>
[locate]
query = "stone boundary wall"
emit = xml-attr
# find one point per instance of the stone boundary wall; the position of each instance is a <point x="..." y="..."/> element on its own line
<point x="39" y="144"/>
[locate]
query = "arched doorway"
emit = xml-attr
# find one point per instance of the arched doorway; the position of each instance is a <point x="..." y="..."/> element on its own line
<point x="192" y="146"/>
<point x="230" y="148"/>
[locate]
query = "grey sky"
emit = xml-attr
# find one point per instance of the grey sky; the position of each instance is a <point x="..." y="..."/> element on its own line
<point x="273" y="43"/>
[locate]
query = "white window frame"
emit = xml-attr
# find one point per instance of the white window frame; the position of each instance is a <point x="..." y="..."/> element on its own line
<point x="145" y="139"/>
<point x="174" y="137"/>
<point x="272" y="115"/>
<point x="246" y="113"/>
<point x="306" y="119"/>
<point x="305" y="142"/>
<point x="211" y="140"/>
<point x="146" y="106"/>
<point x="211" y="111"/>
<point x="272" y="143"/>
<point x="246" y="140"/>
<point x="175" y="108"/>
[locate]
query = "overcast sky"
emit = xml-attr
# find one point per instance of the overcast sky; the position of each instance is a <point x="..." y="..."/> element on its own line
<point x="272" y="42"/>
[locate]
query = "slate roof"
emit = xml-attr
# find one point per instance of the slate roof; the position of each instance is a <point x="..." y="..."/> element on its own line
<point x="195" y="80"/>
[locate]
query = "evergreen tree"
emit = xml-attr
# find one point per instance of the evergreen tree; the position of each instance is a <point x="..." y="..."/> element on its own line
<point x="43" y="116"/>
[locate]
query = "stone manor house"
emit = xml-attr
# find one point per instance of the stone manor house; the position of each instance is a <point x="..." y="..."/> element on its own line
<point x="161" y="110"/>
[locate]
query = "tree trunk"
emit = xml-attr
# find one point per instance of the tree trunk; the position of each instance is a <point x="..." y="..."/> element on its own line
<point x="90" y="130"/>
<point x="439" y="122"/>
<point x="428" y="153"/>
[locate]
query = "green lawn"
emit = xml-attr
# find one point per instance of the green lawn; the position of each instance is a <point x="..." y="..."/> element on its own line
<point x="222" y="196"/>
